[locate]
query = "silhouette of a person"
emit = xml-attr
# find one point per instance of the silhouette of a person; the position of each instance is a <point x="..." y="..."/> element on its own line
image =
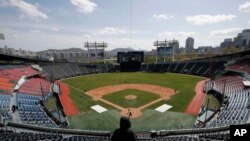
<point x="13" y="108"/>
<point x="124" y="133"/>
<point x="129" y="113"/>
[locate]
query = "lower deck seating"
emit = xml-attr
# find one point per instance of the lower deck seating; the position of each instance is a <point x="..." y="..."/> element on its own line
<point x="4" y="101"/>
<point x="6" y="85"/>
<point x="31" y="112"/>
<point x="4" y="107"/>
<point x="236" y="111"/>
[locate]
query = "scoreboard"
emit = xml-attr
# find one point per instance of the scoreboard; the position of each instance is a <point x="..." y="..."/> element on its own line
<point x="130" y="61"/>
<point x="130" y="57"/>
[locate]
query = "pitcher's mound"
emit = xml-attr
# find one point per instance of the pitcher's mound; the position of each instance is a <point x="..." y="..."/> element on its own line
<point x="131" y="97"/>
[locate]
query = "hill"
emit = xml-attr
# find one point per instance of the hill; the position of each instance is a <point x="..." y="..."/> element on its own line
<point x="62" y="50"/>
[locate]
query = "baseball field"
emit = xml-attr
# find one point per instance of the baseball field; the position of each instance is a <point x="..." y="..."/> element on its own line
<point x="139" y="92"/>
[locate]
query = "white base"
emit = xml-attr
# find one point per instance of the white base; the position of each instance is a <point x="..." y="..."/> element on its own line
<point x="163" y="108"/>
<point x="99" y="108"/>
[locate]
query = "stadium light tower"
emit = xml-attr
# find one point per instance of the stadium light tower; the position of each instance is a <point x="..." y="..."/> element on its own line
<point x="166" y="49"/>
<point x="96" y="50"/>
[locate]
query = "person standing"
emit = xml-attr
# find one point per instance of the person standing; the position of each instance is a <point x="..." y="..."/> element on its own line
<point x="129" y="113"/>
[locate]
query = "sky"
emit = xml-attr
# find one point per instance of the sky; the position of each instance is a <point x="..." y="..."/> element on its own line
<point x="58" y="24"/>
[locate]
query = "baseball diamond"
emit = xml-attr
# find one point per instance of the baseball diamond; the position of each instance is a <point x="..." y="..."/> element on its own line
<point x="151" y="91"/>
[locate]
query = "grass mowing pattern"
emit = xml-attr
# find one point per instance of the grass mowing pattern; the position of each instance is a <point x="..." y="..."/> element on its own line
<point x="143" y="98"/>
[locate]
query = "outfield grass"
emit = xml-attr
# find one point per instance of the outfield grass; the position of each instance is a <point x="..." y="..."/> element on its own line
<point x="175" y="81"/>
<point x="90" y="120"/>
<point x="142" y="98"/>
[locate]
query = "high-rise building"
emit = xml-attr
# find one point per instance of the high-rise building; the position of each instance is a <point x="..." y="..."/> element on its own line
<point x="2" y="36"/>
<point x="189" y="45"/>
<point x="227" y="43"/>
<point x="243" y="39"/>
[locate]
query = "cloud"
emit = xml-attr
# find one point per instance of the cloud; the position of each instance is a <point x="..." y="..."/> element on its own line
<point x="186" y="34"/>
<point x="249" y="22"/>
<point x="209" y="19"/>
<point x="46" y="40"/>
<point x="111" y="31"/>
<point x="167" y="33"/>
<point x="3" y="3"/>
<point x="86" y="36"/>
<point x="177" y="34"/>
<point x="163" y="17"/>
<point x="34" y="31"/>
<point x="63" y="12"/>
<point x="27" y="9"/>
<point x="54" y="29"/>
<point x="84" y="6"/>
<point x="225" y="33"/>
<point x="245" y="7"/>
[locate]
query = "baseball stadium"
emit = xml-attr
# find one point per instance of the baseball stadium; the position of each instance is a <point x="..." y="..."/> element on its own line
<point x="94" y="93"/>
<point x="190" y="100"/>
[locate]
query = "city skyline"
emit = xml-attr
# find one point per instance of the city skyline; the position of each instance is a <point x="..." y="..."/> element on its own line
<point x="39" y="25"/>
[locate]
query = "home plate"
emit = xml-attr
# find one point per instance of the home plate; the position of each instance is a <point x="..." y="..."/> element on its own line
<point x="163" y="108"/>
<point x="99" y="108"/>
